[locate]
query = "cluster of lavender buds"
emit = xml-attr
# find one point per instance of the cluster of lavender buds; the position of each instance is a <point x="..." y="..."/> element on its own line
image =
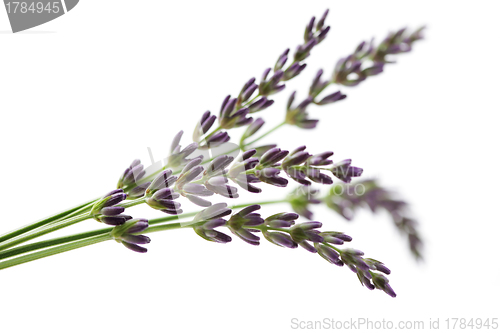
<point x="106" y="210"/>
<point x="128" y="234"/>
<point x="368" y="60"/>
<point x="209" y="166"/>
<point x="280" y="229"/>
<point x="132" y="174"/>
<point x="346" y="199"/>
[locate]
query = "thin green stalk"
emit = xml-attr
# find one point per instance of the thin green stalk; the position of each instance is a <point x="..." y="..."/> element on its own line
<point x="83" y="235"/>
<point x="132" y="203"/>
<point x="243" y="145"/>
<point x="41" y="223"/>
<point x="35" y="234"/>
<point x="54" y="250"/>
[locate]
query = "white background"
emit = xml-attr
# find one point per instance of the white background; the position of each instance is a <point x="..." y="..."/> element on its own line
<point x="84" y="95"/>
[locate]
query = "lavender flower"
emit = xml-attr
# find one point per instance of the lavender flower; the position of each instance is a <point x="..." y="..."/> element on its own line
<point x="261" y="104"/>
<point x="282" y="59"/>
<point x="132" y="174"/>
<point x="252" y="128"/>
<point x="203" y="126"/>
<point x="127" y="234"/>
<point x="318" y="85"/>
<point x="281" y="220"/>
<point x="247" y="91"/>
<point x="396" y="42"/>
<point x="261" y="150"/>
<point x="298" y="115"/>
<point x="178" y="156"/>
<point x="138" y="191"/>
<point x="344" y="171"/>
<point x="350" y="71"/>
<point x="300" y="164"/>
<point x="230" y="116"/>
<point x="304" y="233"/>
<point x="271" y="86"/>
<point x="346" y="199"/>
<point x="106" y="210"/>
<point x="206" y="230"/>
<point x="160" y="196"/>
<point x="240" y="223"/>
<point x="280" y="239"/>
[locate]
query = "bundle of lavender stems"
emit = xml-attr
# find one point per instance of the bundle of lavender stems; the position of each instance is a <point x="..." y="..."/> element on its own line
<point x="211" y="170"/>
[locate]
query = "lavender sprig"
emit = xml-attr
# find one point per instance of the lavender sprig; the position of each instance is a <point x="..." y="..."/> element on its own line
<point x="195" y="178"/>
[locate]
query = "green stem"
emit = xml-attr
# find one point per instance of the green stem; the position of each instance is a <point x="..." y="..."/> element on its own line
<point x="41" y="223"/>
<point x="132" y="203"/>
<point x="55" y="250"/>
<point x="35" y="234"/>
<point x="263" y="135"/>
<point x="76" y="237"/>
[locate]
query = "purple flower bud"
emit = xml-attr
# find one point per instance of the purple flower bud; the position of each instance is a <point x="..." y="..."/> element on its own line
<point x="272" y="86"/>
<point x="321" y="21"/>
<point x="308" y="32"/>
<point x="250" y="83"/>
<point x="293" y="71"/>
<point x="112" y="193"/>
<point x="302" y="51"/>
<point x="261" y="104"/>
<point x="115" y="220"/>
<point x="189" y="176"/>
<point x="280" y="224"/>
<point x="224" y="190"/>
<point x="270" y="176"/>
<point x="264" y="75"/>
<point x="280" y="239"/>
<point x="216" y="140"/>
<point x="377" y="68"/>
<point x="321" y="159"/>
<point x="217" y="181"/>
<point x="253" y="128"/>
<point x="198" y="201"/>
<point x="204" y="125"/>
<point x="114" y="199"/>
<point x="175" y="142"/>
<point x="139" y="226"/>
<point x="138" y="191"/>
<point x="281" y="60"/>
<point x="163" y="180"/>
<point x="328" y="254"/>
<point x="273" y="156"/>
<point x="136" y="239"/>
<point x="197" y="189"/>
<point x="243" y="182"/>
<point x="217" y="166"/>
<point x="172" y="211"/>
<point x="191" y="164"/>
<point x="244" y="96"/>
<point x="165" y="193"/>
<point x="213" y="212"/>
<point x="344" y="171"/>
<point x="322" y="35"/>
<point x="215" y="223"/>
<point x="333" y="240"/>
<point x="134" y="247"/>
<point x="111" y="211"/>
<point x="337" y="96"/>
